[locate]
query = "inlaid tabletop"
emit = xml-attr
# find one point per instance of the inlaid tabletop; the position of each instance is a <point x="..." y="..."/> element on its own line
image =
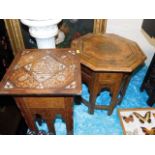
<point x="43" y="72"/>
<point x="109" y="52"/>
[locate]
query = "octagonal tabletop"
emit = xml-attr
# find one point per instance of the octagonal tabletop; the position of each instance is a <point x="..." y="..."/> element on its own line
<point x="109" y="52"/>
<point x="43" y="72"/>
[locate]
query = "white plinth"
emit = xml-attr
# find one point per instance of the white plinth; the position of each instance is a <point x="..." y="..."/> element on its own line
<point x="44" y="31"/>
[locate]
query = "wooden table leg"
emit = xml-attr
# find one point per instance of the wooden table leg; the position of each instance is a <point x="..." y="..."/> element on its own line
<point x="50" y="124"/>
<point x="68" y="116"/>
<point x="69" y="123"/>
<point x="29" y="118"/>
<point x="92" y="100"/>
<point x="151" y="99"/>
<point x="113" y="103"/>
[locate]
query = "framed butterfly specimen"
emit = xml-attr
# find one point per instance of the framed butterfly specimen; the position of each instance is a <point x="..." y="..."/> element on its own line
<point x="128" y="119"/>
<point x="137" y="121"/>
<point x="143" y="119"/>
<point x="148" y="131"/>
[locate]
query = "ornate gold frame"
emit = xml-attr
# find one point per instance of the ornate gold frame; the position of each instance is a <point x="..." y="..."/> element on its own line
<point x="100" y="25"/>
<point x="15" y="34"/>
<point x="16" y="39"/>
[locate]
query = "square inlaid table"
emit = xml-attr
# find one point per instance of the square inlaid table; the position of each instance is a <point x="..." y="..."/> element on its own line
<point x="107" y="61"/>
<point x="43" y="83"/>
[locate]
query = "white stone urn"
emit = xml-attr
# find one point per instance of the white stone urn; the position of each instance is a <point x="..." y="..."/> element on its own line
<point x="44" y="31"/>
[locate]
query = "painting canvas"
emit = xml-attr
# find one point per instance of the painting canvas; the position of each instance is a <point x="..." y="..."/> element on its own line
<point x="70" y="29"/>
<point x="138" y="121"/>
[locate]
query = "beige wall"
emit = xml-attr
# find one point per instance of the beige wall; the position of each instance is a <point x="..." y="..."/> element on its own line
<point x="131" y="28"/>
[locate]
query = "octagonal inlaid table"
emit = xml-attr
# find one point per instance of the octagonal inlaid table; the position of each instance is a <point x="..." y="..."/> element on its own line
<point x="43" y="83"/>
<point x="107" y="61"/>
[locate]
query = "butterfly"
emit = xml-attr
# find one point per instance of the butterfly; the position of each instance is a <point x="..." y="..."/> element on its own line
<point x="145" y="118"/>
<point x="128" y="119"/>
<point x="148" y="131"/>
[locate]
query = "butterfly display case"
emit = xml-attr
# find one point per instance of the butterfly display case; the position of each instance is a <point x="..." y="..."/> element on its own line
<point x="137" y="121"/>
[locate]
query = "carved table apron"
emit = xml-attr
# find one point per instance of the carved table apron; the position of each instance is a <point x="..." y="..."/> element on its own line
<point x="115" y="83"/>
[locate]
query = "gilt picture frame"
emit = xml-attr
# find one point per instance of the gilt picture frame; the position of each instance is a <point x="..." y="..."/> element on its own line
<point x="18" y="39"/>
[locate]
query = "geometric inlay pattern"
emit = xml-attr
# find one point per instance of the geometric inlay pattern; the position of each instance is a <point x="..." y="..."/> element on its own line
<point x="44" y="72"/>
<point x="37" y="69"/>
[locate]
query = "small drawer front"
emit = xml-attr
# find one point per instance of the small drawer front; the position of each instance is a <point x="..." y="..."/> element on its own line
<point x="110" y="77"/>
<point x="44" y="102"/>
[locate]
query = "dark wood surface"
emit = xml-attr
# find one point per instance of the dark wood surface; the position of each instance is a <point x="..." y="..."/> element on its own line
<point x="149" y="83"/>
<point x="11" y="120"/>
<point x="148" y="26"/>
<point x="43" y="83"/>
<point x="108" y="61"/>
<point x="149" y="80"/>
